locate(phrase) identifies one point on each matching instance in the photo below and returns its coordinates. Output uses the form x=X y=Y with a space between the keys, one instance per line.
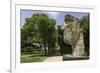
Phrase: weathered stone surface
x=79 y=49
x=72 y=35
x=71 y=30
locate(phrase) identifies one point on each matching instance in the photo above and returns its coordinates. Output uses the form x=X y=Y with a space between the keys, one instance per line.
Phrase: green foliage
x=85 y=23
x=64 y=48
x=52 y=33
x=85 y=26
x=52 y=36
x=39 y=29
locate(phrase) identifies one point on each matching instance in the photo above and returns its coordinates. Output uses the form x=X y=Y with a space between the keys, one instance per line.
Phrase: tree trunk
x=45 y=50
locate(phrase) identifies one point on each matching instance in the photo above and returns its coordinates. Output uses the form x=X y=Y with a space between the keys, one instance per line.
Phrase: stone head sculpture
x=71 y=29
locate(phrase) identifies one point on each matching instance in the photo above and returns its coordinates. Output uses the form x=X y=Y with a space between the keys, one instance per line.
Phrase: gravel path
x=53 y=59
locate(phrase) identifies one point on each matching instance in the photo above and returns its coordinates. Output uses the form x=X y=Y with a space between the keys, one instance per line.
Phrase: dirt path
x=53 y=59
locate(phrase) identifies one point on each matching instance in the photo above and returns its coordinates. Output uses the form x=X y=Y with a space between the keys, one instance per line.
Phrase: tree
x=48 y=33
x=43 y=29
x=39 y=28
x=28 y=32
x=60 y=39
x=52 y=36
x=85 y=26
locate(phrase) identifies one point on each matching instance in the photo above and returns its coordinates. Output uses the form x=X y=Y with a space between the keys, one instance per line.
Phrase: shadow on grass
x=37 y=55
x=27 y=58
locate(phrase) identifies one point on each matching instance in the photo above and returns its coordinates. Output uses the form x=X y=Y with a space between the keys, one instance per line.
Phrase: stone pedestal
x=71 y=57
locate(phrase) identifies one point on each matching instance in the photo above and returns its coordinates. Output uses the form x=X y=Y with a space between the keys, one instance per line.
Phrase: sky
x=58 y=16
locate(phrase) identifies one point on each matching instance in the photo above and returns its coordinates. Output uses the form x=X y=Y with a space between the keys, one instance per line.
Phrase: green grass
x=27 y=58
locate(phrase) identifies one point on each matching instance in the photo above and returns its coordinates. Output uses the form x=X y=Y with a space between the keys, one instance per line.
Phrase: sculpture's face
x=67 y=34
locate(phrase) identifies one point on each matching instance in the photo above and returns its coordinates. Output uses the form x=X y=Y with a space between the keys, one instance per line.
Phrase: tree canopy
x=85 y=26
x=40 y=29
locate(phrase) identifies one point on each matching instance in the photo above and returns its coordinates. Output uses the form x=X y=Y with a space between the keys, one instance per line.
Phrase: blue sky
x=58 y=16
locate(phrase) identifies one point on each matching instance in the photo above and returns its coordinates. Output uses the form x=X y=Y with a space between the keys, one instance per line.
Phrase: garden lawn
x=26 y=58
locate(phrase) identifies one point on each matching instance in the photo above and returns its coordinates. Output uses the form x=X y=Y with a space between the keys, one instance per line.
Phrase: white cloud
x=54 y=14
